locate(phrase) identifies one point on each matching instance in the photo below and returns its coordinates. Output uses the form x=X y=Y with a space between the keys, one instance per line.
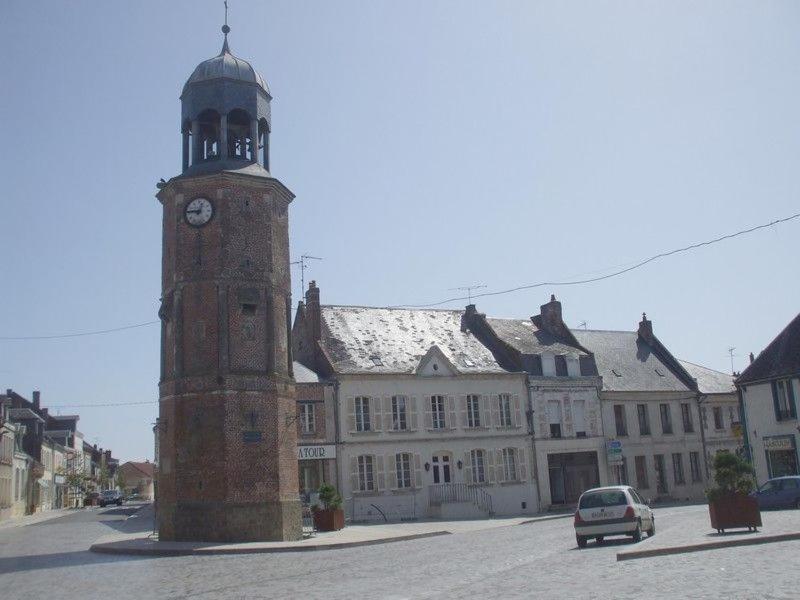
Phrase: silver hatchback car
x=614 y=510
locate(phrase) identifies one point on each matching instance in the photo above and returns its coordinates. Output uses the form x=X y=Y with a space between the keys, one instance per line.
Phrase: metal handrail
x=445 y=493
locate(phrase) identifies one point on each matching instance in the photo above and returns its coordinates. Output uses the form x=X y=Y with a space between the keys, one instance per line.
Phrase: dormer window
x=659 y=373
x=617 y=373
x=376 y=361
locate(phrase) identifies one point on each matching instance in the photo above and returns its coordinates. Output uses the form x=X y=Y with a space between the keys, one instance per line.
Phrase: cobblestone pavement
x=538 y=560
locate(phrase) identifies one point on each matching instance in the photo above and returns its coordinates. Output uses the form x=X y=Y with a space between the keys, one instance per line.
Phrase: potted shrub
x=331 y=516
x=729 y=502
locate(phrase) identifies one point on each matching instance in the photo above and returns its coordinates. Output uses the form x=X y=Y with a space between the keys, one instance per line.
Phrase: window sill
x=515 y=482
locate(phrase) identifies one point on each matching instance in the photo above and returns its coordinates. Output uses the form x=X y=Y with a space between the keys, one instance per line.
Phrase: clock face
x=199 y=212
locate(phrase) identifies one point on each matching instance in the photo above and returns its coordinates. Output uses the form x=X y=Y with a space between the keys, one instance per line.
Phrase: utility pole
x=303 y=262
x=468 y=289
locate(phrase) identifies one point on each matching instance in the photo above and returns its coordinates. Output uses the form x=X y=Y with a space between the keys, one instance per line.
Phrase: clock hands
x=197 y=212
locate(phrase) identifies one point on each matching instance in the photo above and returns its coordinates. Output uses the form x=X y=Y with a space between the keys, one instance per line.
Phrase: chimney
x=36 y=399
x=646 y=328
x=45 y=413
x=313 y=312
x=550 y=317
x=95 y=447
x=752 y=358
x=466 y=319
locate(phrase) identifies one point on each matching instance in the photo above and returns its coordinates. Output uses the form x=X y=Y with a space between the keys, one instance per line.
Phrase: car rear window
x=607 y=498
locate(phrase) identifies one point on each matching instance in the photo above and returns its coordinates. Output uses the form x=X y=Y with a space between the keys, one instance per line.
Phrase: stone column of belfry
x=228 y=463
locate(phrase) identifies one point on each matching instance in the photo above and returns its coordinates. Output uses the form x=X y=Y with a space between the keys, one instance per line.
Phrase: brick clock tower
x=227 y=432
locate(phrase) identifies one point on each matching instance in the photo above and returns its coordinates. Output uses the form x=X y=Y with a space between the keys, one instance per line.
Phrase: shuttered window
x=504 y=407
x=363 y=422
x=478 y=466
x=399 y=413
x=438 y=412
x=509 y=464
x=694 y=465
x=644 y=419
x=641 y=472
x=686 y=413
x=677 y=468
x=783 y=396
x=403 y=470
x=666 y=418
x=473 y=410
x=307 y=424
x=366 y=473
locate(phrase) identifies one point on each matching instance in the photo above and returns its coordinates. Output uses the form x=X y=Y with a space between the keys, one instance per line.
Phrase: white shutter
x=495 y=410
x=486 y=410
x=428 y=413
x=387 y=413
x=376 y=409
x=517 y=411
x=417 y=471
x=451 y=412
x=351 y=414
x=391 y=471
x=380 y=478
x=522 y=464
x=411 y=417
x=468 y=467
x=354 y=474
x=463 y=418
x=499 y=466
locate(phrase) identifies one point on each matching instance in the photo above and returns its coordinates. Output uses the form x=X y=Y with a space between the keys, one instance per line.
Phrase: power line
x=470 y=296
x=72 y=335
x=610 y=275
x=102 y=404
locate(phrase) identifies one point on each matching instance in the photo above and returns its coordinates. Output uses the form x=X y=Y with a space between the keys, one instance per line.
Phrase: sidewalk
x=36 y=518
x=692 y=532
x=350 y=536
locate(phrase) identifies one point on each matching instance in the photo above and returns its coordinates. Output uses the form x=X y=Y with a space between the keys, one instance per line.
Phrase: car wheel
x=581 y=541
x=797 y=504
x=652 y=531
x=637 y=534
x=599 y=539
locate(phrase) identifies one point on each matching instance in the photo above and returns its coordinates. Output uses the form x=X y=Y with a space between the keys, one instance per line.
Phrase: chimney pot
x=646 y=328
x=551 y=318
x=36 y=399
x=752 y=358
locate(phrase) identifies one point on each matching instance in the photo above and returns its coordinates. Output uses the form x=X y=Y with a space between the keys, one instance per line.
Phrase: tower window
x=208 y=142
x=240 y=143
x=248 y=309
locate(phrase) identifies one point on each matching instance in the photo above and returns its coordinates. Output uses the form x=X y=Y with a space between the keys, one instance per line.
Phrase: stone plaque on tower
x=228 y=457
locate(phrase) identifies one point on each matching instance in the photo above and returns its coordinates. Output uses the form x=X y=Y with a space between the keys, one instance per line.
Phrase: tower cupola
x=225 y=116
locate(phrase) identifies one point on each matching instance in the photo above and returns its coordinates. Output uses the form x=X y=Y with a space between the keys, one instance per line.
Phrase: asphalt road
x=540 y=560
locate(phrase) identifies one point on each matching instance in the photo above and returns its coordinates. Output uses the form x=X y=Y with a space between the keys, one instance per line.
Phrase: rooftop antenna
x=583 y=324
x=468 y=289
x=730 y=351
x=303 y=266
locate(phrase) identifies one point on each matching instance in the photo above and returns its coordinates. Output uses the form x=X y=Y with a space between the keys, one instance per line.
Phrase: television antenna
x=303 y=262
x=468 y=289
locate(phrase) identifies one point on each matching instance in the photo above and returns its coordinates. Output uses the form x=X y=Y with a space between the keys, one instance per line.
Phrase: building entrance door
x=441 y=467
x=571 y=474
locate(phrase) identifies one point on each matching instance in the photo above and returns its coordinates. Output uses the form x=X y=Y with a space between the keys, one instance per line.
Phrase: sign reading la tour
x=316 y=452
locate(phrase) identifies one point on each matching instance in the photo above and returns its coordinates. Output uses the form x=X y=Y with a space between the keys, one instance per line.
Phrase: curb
x=767 y=539
x=121 y=548
x=547 y=518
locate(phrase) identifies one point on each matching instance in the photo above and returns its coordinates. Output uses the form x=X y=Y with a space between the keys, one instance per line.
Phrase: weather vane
x=225 y=28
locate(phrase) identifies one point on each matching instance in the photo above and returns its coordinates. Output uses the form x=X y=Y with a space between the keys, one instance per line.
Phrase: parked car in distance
x=614 y=510
x=780 y=492
x=110 y=497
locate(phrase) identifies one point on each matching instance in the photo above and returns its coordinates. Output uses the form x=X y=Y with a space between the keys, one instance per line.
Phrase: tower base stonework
x=218 y=478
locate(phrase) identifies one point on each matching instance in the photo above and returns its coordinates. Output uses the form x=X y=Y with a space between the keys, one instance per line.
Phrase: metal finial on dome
x=225 y=30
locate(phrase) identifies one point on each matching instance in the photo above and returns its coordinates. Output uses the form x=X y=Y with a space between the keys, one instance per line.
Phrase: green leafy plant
x=732 y=475
x=329 y=497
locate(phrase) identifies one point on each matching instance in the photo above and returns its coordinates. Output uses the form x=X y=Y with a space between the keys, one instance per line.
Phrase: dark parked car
x=781 y=492
x=110 y=497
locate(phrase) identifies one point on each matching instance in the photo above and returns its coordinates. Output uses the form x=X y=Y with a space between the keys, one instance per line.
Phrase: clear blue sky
x=430 y=145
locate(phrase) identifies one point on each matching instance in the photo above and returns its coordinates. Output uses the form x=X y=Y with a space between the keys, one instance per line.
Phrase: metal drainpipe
x=336 y=429
x=534 y=460
x=700 y=399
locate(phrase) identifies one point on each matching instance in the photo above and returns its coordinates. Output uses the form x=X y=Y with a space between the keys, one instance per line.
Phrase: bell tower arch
x=227 y=463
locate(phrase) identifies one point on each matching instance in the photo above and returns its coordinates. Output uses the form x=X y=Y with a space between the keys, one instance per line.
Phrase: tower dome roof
x=226 y=66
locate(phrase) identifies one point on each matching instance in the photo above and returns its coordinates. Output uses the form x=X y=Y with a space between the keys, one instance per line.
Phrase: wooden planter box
x=328 y=520
x=734 y=511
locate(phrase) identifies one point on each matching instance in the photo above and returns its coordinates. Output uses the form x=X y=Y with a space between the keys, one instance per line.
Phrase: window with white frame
x=362 y=414
x=438 y=411
x=366 y=473
x=403 y=469
x=509 y=464
x=399 y=413
x=307 y=424
x=478 y=466
x=505 y=410
x=473 y=410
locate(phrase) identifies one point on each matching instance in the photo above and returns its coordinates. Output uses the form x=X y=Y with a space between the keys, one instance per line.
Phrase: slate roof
x=145 y=467
x=361 y=339
x=226 y=66
x=627 y=363
x=780 y=359
x=525 y=337
x=710 y=381
x=302 y=374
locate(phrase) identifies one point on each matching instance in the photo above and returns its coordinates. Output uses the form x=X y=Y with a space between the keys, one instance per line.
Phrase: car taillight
x=578 y=519
x=629 y=514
